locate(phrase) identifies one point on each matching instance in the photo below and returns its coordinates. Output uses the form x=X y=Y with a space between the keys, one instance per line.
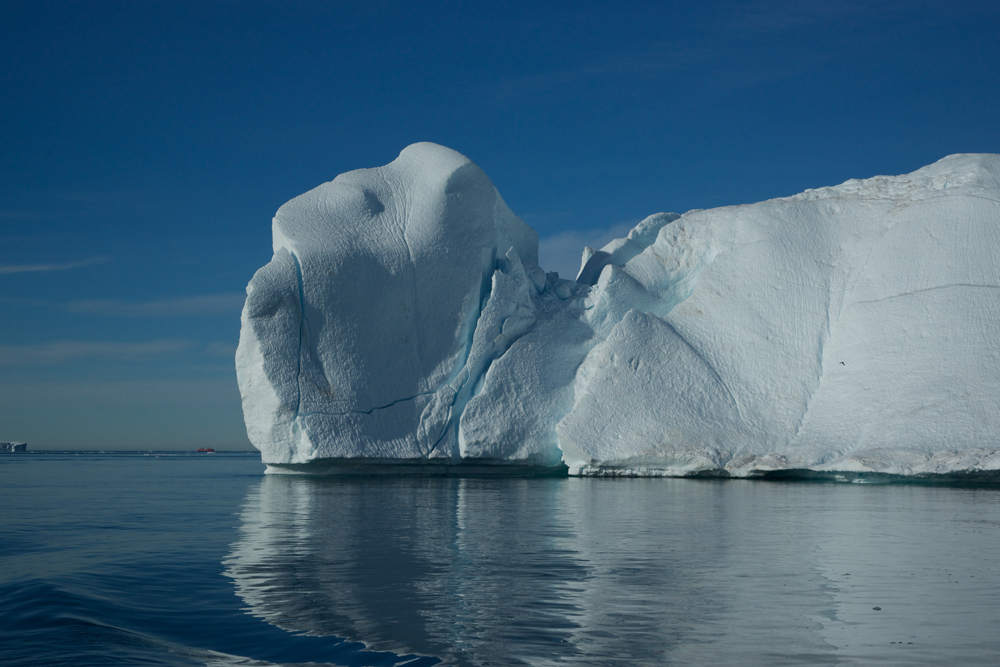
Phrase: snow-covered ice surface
x=404 y=324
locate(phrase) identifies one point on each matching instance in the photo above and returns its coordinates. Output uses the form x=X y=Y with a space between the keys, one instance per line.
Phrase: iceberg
x=404 y=324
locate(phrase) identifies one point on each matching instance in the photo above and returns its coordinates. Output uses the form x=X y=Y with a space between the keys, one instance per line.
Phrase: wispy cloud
x=221 y=350
x=715 y=57
x=101 y=199
x=65 y=266
x=562 y=252
x=225 y=303
x=776 y=16
x=59 y=352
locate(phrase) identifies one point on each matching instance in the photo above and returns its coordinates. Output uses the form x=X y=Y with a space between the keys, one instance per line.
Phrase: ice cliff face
x=361 y=334
x=404 y=320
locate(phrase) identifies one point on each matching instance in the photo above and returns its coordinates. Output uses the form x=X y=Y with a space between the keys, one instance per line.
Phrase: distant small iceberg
x=11 y=447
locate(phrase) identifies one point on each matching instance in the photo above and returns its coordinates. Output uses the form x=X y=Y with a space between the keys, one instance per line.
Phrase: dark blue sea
x=200 y=559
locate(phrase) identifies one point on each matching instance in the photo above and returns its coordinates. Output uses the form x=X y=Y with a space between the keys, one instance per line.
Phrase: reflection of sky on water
x=639 y=572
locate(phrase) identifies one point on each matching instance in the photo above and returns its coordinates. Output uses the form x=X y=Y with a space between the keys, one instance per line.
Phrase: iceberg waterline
x=404 y=324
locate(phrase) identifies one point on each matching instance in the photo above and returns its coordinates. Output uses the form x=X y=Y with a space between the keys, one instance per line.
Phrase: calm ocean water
x=184 y=559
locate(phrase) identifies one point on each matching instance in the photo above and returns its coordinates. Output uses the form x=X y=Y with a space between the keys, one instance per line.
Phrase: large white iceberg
x=404 y=323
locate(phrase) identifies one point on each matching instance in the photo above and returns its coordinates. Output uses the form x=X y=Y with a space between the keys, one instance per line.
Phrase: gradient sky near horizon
x=145 y=145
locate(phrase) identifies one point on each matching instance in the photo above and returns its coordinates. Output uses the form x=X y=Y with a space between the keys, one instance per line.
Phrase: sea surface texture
x=184 y=559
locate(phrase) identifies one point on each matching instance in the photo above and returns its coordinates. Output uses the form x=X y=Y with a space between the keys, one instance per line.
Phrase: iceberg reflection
x=590 y=571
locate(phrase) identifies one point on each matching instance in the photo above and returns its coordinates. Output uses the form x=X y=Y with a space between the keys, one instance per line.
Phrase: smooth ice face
x=404 y=319
x=847 y=328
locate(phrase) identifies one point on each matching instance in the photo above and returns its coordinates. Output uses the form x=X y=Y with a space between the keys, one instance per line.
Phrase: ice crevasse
x=403 y=324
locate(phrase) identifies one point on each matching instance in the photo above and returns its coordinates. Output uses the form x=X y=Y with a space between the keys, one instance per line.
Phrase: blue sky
x=145 y=145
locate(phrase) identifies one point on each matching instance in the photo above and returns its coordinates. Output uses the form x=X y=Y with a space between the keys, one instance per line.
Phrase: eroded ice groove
x=404 y=321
